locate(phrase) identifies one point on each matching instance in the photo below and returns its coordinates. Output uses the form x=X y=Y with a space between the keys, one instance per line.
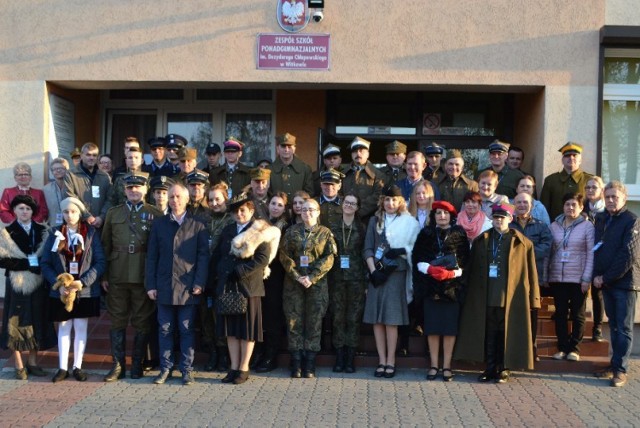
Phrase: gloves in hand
x=440 y=274
x=34 y=269
x=377 y=278
x=423 y=267
x=457 y=273
x=394 y=253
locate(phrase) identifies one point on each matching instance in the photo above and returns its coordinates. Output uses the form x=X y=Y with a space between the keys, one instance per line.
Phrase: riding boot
x=140 y=341
x=491 y=358
x=118 y=368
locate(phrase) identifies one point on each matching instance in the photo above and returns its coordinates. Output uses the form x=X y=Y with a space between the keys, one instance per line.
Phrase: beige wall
x=622 y=12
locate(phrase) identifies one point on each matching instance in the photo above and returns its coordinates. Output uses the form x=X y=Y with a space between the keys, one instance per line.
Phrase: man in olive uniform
x=394 y=169
x=330 y=201
x=363 y=179
x=124 y=238
x=259 y=192
x=434 y=154
x=453 y=185
x=288 y=173
x=331 y=158
x=233 y=172
x=571 y=179
x=198 y=202
x=188 y=160
x=133 y=164
x=213 y=153
x=508 y=178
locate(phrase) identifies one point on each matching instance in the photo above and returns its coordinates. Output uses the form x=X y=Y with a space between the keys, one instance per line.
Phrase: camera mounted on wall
x=318 y=7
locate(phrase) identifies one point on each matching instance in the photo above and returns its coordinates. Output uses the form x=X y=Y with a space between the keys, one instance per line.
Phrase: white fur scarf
x=244 y=245
x=23 y=282
x=402 y=233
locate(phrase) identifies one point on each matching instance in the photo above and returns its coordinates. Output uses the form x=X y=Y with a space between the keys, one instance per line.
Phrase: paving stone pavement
x=357 y=400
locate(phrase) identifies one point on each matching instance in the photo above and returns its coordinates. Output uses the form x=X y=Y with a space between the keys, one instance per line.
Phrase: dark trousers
x=272 y=313
x=170 y=318
x=130 y=301
x=598 y=306
x=621 y=311
x=494 y=339
x=569 y=299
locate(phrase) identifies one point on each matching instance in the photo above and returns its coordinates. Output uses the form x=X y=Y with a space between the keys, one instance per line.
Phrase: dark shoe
x=503 y=376
x=296 y=364
x=432 y=374
x=148 y=365
x=379 y=371
x=349 y=366
x=35 y=370
x=211 y=362
x=241 y=378
x=187 y=378
x=116 y=372
x=487 y=376
x=164 y=376
x=309 y=370
x=389 y=372
x=447 y=375
x=79 y=375
x=230 y=376
x=256 y=357
x=60 y=375
x=619 y=379
x=597 y=335
x=606 y=373
x=268 y=364
x=223 y=360
x=21 y=374
x=338 y=367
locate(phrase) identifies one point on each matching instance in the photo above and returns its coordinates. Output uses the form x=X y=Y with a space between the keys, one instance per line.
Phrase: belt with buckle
x=131 y=249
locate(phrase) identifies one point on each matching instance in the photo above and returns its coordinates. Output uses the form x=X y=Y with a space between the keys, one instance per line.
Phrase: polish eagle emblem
x=293 y=15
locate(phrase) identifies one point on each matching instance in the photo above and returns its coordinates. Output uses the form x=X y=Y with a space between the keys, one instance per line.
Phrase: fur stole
x=244 y=245
x=23 y=282
x=402 y=233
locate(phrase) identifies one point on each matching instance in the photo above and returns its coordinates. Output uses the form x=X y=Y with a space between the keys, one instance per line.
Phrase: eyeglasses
x=350 y=204
x=308 y=210
x=59 y=169
x=24 y=174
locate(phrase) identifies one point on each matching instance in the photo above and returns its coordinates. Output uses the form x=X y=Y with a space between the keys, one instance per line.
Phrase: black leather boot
x=349 y=366
x=269 y=360
x=338 y=367
x=309 y=370
x=491 y=356
x=139 y=349
x=223 y=359
x=118 y=368
x=296 y=364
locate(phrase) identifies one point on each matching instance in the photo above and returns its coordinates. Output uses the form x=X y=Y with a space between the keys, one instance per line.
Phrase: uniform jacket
x=390 y=177
x=618 y=258
x=367 y=185
x=177 y=259
x=92 y=265
x=559 y=184
x=244 y=257
x=522 y=295
x=426 y=249
x=330 y=211
x=124 y=239
x=579 y=243
x=167 y=169
x=453 y=191
x=291 y=178
x=352 y=248
x=320 y=249
x=540 y=235
x=92 y=191
x=241 y=177
x=6 y=213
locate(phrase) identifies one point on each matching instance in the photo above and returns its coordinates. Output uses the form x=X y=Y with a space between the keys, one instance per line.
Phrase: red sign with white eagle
x=293 y=15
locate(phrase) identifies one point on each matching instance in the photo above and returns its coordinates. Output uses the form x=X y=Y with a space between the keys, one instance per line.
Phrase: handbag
x=231 y=302
x=447 y=261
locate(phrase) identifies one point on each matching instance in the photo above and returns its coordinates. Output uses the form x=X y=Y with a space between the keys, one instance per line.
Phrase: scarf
x=473 y=227
x=63 y=246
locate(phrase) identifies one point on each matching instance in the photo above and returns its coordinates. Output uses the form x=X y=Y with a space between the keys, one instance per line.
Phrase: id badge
x=33 y=260
x=59 y=218
x=595 y=247
x=73 y=268
x=95 y=191
x=344 y=262
x=304 y=261
x=565 y=256
x=493 y=270
x=379 y=252
x=230 y=193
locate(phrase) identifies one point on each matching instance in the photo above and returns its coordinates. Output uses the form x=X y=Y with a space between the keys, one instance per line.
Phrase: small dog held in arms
x=66 y=280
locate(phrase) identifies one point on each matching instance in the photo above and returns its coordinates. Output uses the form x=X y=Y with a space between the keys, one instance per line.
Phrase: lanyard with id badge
x=344 y=259
x=304 y=259
x=493 y=266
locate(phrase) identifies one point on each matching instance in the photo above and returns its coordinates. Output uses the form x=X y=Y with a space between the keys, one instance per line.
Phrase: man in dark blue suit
x=176 y=273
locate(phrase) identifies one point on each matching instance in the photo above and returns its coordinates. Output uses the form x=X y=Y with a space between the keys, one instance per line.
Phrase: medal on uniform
x=304 y=261
x=73 y=268
x=344 y=262
x=33 y=260
x=493 y=270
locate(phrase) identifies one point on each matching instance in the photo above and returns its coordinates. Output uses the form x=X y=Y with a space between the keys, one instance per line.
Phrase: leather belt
x=131 y=249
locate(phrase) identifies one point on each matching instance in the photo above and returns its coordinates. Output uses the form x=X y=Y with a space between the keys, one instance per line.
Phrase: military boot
x=118 y=368
x=139 y=349
x=349 y=366
x=269 y=361
x=491 y=357
x=296 y=364
x=309 y=365
x=338 y=367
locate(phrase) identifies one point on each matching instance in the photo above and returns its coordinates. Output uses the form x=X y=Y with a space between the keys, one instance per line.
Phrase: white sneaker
x=573 y=356
x=559 y=355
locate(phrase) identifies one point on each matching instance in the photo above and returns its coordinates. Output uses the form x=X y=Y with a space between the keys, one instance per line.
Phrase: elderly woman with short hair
x=22 y=176
x=54 y=191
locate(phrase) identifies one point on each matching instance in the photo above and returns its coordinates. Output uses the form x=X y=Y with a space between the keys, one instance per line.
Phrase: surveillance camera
x=318 y=16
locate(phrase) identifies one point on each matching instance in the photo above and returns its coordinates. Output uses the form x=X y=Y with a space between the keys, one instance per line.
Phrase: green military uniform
x=508 y=180
x=330 y=211
x=347 y=278
x=366 y=183
x=303 y=307
x=559 y=184
x=237 y=178
x=391 y=175
x=433 y=174
x=453 y=191
x=291 y=178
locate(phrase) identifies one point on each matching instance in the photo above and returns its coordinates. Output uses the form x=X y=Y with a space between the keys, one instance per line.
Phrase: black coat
x=426 y=249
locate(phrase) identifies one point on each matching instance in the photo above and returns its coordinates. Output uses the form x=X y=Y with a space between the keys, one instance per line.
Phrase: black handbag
x=231 y=302
x=447 y=261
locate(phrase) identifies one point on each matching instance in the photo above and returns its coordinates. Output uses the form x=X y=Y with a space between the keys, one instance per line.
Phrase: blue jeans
x=182 y=317
x=620 y=306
